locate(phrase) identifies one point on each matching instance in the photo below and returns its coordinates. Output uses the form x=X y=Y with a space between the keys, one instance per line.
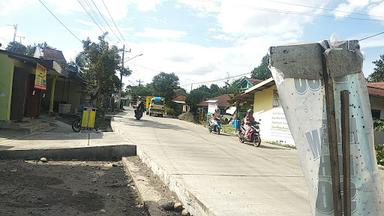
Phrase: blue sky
x=199 y=40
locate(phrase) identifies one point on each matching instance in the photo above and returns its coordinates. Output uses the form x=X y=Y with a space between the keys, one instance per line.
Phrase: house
x=24 y=85
x=69 y=87
x=222 y=102
x=246 y=83
x=181 y=104
x=207 y=107
x=273 y=124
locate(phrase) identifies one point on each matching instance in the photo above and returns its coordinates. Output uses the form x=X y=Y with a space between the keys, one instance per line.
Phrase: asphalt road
x=223 y=176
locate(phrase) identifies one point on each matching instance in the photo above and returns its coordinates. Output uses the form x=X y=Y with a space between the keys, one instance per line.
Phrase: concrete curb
x=94 y=153
x=190 y=202
x=148 y=196
x=187 y=198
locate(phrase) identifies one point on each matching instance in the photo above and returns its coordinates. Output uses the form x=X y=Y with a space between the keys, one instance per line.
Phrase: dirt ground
x=152 y=182
x=67 y=188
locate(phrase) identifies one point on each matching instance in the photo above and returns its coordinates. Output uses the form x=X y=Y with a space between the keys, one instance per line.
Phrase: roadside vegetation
x=379 y=126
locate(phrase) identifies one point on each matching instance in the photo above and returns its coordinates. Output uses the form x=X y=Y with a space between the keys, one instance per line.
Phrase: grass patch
x=228 y=129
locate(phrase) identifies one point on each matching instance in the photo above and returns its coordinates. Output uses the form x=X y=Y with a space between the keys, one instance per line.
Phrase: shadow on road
x=147 y=123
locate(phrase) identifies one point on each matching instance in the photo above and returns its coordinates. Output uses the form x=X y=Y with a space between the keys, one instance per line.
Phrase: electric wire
x=113 y=21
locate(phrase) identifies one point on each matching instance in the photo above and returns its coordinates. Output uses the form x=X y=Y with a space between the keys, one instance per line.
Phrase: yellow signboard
x=41 y=77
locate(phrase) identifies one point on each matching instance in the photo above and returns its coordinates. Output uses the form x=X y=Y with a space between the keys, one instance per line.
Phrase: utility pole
x=139 y=81
x=20 y=38
x=14 y=34
x=121 y=78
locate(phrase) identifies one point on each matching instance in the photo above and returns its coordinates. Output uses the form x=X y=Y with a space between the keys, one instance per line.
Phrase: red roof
x=180 y=98
x=222 y=101
x=54 y=54
x=376 y=89
x=255 y=81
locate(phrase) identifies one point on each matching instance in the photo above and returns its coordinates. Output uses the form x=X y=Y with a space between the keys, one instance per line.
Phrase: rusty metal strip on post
x=332 y=137
x=344 y=97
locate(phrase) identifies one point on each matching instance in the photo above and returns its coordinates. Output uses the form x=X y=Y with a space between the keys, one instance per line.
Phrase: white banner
x=303 y=101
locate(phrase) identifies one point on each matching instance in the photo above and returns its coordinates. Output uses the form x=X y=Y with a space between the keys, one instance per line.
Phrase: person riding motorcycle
x=215 y=117
x=140 y=105
x=249 y=120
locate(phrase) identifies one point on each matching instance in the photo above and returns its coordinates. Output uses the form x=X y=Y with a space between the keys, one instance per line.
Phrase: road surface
x=216 y=175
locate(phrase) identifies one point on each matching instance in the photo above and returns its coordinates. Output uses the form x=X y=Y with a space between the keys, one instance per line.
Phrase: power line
x=371 y=36
x=105 y=21
x=217 y=80
x=322 y=8
x=90 y=15
x=113 y=21
x=311 y=15
x=73 y=34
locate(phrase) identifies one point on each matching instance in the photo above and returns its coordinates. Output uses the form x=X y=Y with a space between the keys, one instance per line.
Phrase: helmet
x=249 y=111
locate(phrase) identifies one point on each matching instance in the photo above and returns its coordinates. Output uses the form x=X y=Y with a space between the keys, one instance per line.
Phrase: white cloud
x=7 y=7
x=350 y=6
x=196 y=63
x=147 y=5
x=375 y=42
x=161 y=34
x=251 y=27
x=6 y=35
x=204 y=6
x=376 y=10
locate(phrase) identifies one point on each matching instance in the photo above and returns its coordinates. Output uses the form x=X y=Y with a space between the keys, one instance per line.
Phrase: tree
x=378 y=71
x=16 y=47
x=101 y=62
x=140 y=90
x=196 y=96
x=164 y=85
x=214 y=90
x=262 y=72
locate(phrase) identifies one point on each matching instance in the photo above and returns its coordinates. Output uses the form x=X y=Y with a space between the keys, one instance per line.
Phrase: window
x=375 y=114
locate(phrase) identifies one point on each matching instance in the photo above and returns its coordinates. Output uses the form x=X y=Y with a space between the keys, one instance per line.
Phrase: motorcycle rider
x=140 y=105
x=249 y=120
x=215 y=116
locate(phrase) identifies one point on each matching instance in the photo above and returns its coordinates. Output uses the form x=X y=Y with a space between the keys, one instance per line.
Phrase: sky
x=198 y=40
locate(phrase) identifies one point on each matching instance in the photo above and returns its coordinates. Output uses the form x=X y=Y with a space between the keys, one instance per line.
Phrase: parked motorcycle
x=214 y=126
x=76 y=125
x=253 y=136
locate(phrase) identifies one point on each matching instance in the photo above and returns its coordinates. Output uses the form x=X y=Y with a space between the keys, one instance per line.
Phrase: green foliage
x=233 y=88
x=380 y=154
x=378 y=125
x=16 y=47
x=378 y=71
x=170 y=111
x=197 y=95
x=30 y=51
x=215 y=90
x=100 y=63
x=140 y=90
x=262 y=72
x=164 y=85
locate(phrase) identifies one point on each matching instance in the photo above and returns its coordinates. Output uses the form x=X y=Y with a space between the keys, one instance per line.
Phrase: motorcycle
x=138 y=114
x=253 y=135
x=215 y=126
x=139 y=110
x=76 y=125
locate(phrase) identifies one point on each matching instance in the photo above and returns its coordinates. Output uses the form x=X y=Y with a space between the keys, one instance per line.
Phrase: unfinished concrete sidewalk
x=216 y=175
